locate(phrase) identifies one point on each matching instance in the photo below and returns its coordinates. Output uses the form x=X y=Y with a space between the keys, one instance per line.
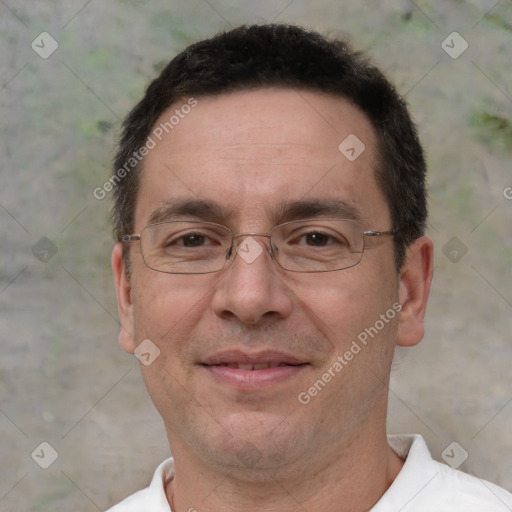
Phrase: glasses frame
x=369 y=233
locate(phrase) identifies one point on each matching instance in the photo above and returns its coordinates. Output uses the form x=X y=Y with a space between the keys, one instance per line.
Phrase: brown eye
x=193 y=240
x=317 y=239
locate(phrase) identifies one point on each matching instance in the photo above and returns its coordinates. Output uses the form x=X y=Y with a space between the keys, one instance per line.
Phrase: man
x=269 y=215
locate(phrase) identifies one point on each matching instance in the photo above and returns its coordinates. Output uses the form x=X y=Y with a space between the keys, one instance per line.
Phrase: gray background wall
x=63 y=378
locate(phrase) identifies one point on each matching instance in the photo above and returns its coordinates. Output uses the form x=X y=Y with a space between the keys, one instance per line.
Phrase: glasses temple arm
x=130 y=238
x=379 y=233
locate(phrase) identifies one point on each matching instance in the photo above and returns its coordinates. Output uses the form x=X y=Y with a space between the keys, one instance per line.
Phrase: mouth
x=252 y=372
x=252 y=367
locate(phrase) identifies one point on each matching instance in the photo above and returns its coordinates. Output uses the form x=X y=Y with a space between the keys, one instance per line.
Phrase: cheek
x=166 y=305
x=343 y=301
x=354 y=311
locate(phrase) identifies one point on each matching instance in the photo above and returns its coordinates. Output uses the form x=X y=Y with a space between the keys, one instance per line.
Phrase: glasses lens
x=318 y=246
x=185 y=247
x=192 y=247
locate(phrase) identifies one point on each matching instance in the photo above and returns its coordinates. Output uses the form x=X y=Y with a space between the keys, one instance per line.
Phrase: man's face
x=251 y=153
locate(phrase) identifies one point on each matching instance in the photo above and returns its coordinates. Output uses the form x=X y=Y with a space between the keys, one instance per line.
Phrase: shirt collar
x=417 y=472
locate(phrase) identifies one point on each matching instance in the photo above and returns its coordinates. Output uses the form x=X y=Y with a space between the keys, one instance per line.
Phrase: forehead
x=252 y=152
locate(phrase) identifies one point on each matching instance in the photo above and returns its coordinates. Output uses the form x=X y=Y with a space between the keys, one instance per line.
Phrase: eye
x=190 y=240
x=318 y=238
x=193 y=239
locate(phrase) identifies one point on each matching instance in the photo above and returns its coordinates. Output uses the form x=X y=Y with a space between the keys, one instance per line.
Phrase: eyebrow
x=203 y=209
x=212 y=211
x=314 y=207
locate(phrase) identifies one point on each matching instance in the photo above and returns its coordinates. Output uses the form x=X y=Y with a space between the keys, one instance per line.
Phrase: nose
x=252 y=286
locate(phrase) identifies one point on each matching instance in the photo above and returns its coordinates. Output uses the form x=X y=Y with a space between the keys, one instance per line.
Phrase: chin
x=254 y=450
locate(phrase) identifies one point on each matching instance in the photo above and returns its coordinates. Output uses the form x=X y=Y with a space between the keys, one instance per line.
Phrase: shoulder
x=424 y=484
x=152 y=497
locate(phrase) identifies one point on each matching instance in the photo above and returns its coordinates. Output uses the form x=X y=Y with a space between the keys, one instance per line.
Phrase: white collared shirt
x=423 y=485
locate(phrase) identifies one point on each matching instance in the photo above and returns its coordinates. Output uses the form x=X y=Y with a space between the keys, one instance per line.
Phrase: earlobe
x=415 y=280
x=124 y=300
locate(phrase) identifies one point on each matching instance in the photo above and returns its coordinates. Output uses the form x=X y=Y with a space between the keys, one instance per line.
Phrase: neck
x=352 y=478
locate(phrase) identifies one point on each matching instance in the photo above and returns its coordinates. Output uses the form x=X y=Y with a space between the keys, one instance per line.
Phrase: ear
x=415 y=280
x=124 y=300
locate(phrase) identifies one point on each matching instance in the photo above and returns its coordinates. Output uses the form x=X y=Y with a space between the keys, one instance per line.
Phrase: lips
x=249 y=366
x=255 y=361
x=253 y=371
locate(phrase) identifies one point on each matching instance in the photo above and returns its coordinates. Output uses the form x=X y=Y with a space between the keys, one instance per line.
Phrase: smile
x=252 y=372
x=251 y=367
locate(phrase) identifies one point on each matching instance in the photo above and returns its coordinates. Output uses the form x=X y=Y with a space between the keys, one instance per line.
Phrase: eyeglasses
x=195 y=247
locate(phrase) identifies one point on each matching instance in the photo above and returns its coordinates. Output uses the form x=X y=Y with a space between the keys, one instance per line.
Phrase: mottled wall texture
x=69 y=72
